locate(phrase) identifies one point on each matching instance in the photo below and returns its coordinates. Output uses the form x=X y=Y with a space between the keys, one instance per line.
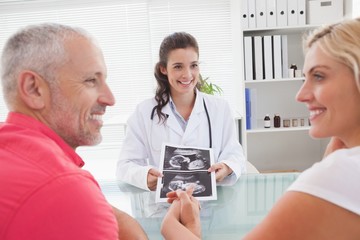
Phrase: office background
x=130 y=32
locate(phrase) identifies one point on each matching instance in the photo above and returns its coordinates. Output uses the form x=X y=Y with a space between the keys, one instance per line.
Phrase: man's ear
x=32 y=89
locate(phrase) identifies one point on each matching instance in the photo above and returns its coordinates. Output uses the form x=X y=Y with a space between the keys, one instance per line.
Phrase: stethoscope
x=207 y=116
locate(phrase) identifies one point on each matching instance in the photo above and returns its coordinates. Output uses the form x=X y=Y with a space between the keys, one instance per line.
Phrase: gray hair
x=39 y=48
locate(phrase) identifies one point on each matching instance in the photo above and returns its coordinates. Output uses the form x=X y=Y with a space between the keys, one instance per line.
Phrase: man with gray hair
x=54 y=84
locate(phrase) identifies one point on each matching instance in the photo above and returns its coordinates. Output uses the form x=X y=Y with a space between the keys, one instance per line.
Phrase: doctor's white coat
x=141 y=148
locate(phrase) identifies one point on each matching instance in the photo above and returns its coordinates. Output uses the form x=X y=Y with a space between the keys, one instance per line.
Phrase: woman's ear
x=32 y=89
x=163 y=70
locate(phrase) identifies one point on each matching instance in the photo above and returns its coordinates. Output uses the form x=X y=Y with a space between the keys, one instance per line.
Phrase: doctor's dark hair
x=171 y=42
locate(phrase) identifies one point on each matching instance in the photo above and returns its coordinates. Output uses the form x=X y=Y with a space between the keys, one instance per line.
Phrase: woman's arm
x=302 y=216
x=182 y=220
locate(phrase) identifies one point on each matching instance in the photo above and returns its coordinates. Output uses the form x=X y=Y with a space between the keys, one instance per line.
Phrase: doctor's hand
x=334 y=144
x=221 y=171
x=152 y=177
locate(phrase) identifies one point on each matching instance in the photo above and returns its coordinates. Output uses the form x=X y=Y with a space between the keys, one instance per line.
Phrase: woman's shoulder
x=214 y=100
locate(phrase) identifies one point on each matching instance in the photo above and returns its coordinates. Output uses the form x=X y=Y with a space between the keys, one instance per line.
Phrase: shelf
x=275 y=80
x=281 y=129
x=279 y=30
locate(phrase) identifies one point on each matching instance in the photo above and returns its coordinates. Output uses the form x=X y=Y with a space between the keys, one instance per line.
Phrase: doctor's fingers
x=155 y=172
x=215 y=167
x=220 y=175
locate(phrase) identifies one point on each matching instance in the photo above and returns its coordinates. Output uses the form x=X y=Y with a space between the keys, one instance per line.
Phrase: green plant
x=208 y=87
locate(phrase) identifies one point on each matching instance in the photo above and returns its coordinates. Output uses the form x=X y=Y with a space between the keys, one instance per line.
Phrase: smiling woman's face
x=182 y=70
x=331 y=95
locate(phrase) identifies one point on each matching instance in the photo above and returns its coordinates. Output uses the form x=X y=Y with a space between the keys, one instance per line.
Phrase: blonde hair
x=340 y=41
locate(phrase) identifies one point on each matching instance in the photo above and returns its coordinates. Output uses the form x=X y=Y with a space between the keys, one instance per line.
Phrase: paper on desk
x=183 y=166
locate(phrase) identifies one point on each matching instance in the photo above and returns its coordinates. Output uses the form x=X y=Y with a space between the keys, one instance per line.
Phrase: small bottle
x=292 y=70
x=277 y=121
x=267 y=121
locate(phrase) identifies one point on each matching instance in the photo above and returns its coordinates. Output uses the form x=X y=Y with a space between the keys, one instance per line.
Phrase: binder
x=301 y=7
x=281 y=12
x=248 y=108
x=258 y=57
x=292 y=12
x=278 y=74
x=244 y=14
x=268 y=57
x=260 y=13
x=253 y=103
x=248 y=58
x=284 y=56
x=271 y=13
x=252 y=13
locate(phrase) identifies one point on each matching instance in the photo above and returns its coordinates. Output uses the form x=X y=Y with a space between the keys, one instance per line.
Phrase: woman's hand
x=221 y=171
x=152 y=177
x=183 y=216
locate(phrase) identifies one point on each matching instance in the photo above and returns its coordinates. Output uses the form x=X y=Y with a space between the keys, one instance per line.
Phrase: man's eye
x=90 y=81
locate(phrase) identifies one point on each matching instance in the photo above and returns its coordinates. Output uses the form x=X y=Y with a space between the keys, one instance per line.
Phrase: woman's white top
x=335 y=179
x=141 y=148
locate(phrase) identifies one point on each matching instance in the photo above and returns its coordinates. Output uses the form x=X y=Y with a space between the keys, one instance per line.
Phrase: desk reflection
x=236 y=211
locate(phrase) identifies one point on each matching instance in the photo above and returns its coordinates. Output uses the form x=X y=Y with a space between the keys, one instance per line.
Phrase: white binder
x=301 y=7
x=292 y=12
x=244 y=14
x=268 y=57
x=277 y=57
x=258 y=57
x=271 y=13
x=252 y=13
x=284 y=56
x=248 y=58
x=260 y=13
x=281 y=12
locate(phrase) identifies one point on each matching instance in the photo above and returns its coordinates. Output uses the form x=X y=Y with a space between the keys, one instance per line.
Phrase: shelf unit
x=284 y=148
x=277 y=149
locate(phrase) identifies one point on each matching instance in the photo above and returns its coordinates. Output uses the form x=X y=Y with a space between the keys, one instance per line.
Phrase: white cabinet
x=285 y=148
x=278 y=149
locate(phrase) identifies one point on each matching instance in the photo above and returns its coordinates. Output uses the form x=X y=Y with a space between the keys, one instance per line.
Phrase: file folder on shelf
x=281 y=12
x=284 y=56
x=244 y=14
x=277 y=57
x=268 y=57
x=248 y=108
x=248 y=58
x=292 y=12
x=258 y=57
x=271 y=13
x=260 y=13
x=251 y=13
x=301 y=7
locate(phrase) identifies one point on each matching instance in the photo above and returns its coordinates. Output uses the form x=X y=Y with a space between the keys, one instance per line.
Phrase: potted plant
x=208 y=87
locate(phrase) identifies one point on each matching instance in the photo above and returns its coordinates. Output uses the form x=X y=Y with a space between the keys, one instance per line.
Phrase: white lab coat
x=144 y=137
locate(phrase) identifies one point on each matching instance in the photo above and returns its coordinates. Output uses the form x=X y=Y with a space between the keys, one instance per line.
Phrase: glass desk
x=236 y=211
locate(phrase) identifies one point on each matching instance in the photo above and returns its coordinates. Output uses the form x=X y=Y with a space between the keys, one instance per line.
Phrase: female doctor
x=179 y=114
